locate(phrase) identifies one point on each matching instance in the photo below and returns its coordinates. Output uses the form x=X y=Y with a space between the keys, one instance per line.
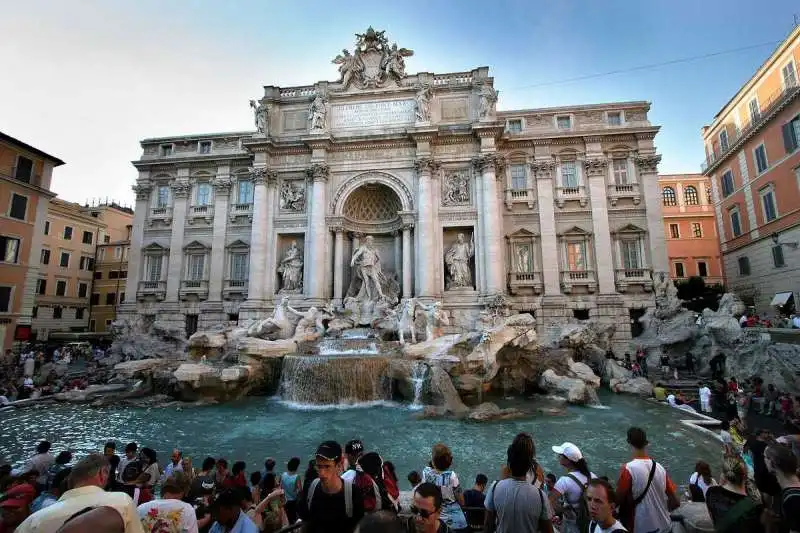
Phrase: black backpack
x=131 y=471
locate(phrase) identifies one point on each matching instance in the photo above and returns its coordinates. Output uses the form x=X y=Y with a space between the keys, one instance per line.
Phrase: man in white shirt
x=170 y=510
x=705 y=398
x=601 y=496
x=174 y=465
x=88 y=478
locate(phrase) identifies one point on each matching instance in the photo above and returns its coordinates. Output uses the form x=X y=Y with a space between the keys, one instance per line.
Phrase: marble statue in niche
x=488 y=101
x=523 y=258
x=423 y=104
x=293 y=197
x=291 y=269
x=457 y=258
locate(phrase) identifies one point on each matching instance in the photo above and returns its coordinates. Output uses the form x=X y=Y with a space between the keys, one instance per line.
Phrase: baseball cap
x=330 y=450
x=18 y=496
x=570 y=451
x=354 y=447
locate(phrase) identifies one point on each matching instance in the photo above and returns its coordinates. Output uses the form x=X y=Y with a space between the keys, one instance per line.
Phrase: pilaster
x=648 y=176
x=142 y=189
x=596 y=169
x=543 y=169
x=181 y=188
x=489 y=166
x=425 y=273
x=258 y=238
x=317 y=232
x=338 y=263
x=222 y=188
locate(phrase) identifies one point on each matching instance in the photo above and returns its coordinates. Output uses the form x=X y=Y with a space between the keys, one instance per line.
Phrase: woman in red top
x=236 y=477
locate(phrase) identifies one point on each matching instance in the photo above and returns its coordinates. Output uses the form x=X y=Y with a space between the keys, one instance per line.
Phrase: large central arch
x=372 y=178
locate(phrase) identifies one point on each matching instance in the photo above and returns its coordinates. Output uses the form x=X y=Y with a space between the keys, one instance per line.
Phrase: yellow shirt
x=49 y=519
x=660 y=393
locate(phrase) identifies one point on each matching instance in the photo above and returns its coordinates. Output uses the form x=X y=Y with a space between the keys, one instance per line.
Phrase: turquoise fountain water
x=256 y=428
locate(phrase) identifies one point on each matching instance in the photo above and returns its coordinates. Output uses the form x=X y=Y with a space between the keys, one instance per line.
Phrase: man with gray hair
x=86 y=482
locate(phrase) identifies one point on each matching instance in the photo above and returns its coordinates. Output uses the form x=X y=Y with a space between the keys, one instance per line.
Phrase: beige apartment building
x=110 y=277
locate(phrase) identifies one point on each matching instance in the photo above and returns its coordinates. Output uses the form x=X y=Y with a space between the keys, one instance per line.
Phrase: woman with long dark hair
x=700 y=481
x=570 y=490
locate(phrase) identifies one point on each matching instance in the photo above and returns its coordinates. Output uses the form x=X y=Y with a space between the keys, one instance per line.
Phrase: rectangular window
x=755 y=112
x=631 y=255
x=569 y=174
x=61 y=287
x=702 y=269
x=47 y=227
x=203 y=194
x=620 y=168
x=95 y=299
x=106 y=239
x=697 y=229
x=674 y=231
x=519 y=178
x=768 y=204
x=9 y=247
x=64 y=262
x=5 y=299
x=204 y=147
x=98 y=275
x=87 y=237
x=41 y=286
x=166 y=150
x=679 y=272
x=24 y=169
x=615 y=118
x=162 y=198
x=576 y=256
x=196 y=267
x=514 y=126
x=245 y=192
x=83 y=290
x=789 y=76
x=122 y=297
x=111 y=298
x=239 y=266
x=736 y=223
x=117 y=252
x=57 y=312
x=791 y=134
x=79 y=313
x=777 y=256
x=67 y=233
x=92 y=324
x=123 y=274
x=19 y=206
x=727 y=183
x=564 y=122
x=744 y=266
x=114 y=274
x=760 y=156
x=723 y=140
x=45 y=257
x=87 y=263
x=154 y=267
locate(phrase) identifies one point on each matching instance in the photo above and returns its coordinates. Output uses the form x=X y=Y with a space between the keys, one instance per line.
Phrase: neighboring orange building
x=753 y=161
x=690 y=229
x=25 y=176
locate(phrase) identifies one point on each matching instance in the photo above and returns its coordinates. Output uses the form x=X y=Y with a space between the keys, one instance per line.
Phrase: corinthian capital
x=647 y=163
x=180 y=188
x=494 y=162
x=595 y=166
x=318 y=172
x=142 y=190
x=262 y=175
x=543 y=168
x=426 y=165
x=222 y=184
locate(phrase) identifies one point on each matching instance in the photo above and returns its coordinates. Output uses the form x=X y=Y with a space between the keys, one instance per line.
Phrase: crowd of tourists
x=347 y=488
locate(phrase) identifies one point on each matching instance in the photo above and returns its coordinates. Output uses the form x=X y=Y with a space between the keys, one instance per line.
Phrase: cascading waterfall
x=418 y=374
x=319 y=380
x=348 y=346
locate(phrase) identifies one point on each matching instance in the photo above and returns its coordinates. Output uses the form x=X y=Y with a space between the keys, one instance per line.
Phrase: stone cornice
x=454 y=139
x=319 y=142
x=489 y=130
x=371 y=145
x=646 y=135
x=192 y=162
x=423 y=135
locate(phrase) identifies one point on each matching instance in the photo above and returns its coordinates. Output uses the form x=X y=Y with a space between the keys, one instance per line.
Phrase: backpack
x=131 y=471
x=348 y=496
x=366 y=487
x=696 y=492
x=390 y=483
x=581 y=510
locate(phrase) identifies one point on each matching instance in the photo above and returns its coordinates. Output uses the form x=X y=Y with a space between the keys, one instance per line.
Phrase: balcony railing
x=152 y=288
x=564 y=194
x=633 y=276
x=520 y=196
x=573 y=278
x=774 y=101
x=235 y=286
x=525 y=280
x=195 y=287
x=240 y=210
x=202 y=210
x=161 y=213
x=624 y=190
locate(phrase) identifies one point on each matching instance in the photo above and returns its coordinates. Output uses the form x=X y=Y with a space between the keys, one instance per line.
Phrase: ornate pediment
x=575 y=231
x=155 y=248
x=238 y=244
x=196 y=246
x=373 y=62
x=629 y=229
x=522 y=233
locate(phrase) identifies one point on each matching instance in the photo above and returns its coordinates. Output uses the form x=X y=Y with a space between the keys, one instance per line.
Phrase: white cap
x=570 y=451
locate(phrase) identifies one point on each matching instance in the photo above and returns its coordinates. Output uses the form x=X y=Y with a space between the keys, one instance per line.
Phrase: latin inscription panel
x=372 y=114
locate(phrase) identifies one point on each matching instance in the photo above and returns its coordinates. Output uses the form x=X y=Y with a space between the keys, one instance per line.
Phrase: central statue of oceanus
x=371 y=290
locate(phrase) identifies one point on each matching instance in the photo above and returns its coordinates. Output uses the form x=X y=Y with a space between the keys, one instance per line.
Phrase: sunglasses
x=421 y=512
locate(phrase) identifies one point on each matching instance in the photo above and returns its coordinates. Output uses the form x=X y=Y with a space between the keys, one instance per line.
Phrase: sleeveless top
x=289 y=486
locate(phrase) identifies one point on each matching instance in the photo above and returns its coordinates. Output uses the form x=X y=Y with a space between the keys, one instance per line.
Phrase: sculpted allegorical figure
x=423 y=104
x=367 y=265
x=457 y=261
x=350 y=66
x=317 y=114
x=523 y=259
x=393 y=62
x=434 y=317
x=291 y=269
x=260 y=116
x=488 y=101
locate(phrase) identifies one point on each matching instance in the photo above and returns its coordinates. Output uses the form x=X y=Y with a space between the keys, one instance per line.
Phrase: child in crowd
x=414 y=479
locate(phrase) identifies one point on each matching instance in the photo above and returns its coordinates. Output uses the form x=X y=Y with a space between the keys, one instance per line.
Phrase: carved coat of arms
x=373 y=62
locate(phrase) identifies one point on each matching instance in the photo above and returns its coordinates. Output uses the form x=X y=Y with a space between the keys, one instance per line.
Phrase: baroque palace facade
x=557 y=209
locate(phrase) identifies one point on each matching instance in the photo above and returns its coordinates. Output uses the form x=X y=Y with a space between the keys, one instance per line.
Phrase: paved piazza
x=401 y=185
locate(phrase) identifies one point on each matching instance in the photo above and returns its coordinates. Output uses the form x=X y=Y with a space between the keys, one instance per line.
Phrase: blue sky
x=87 y=80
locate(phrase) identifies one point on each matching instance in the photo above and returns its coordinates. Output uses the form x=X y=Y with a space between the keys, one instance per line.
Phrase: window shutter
x=789 y=139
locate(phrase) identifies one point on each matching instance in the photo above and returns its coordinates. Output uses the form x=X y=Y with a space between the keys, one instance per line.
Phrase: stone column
x=181 y=188
x=338 y=265
x=268 y=278
x=648 y=178
x=489 y=165
x=426 y=274
x=317 y=233
x=142 y=189
x=258 y=239
x=595 y=169
x=407 y=260
x=222 y=187
x=551 y=276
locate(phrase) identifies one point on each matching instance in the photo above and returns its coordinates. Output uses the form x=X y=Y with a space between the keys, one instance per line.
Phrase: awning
x=780 y=299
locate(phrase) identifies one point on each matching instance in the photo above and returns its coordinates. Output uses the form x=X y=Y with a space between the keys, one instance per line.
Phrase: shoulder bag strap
x=348 y=498
x=310 y=496
x=638 y=500
x=581 y=485
x=543 y=511
x=735 y=513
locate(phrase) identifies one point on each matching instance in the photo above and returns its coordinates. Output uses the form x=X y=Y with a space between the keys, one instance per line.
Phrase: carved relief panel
x=456 y=187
